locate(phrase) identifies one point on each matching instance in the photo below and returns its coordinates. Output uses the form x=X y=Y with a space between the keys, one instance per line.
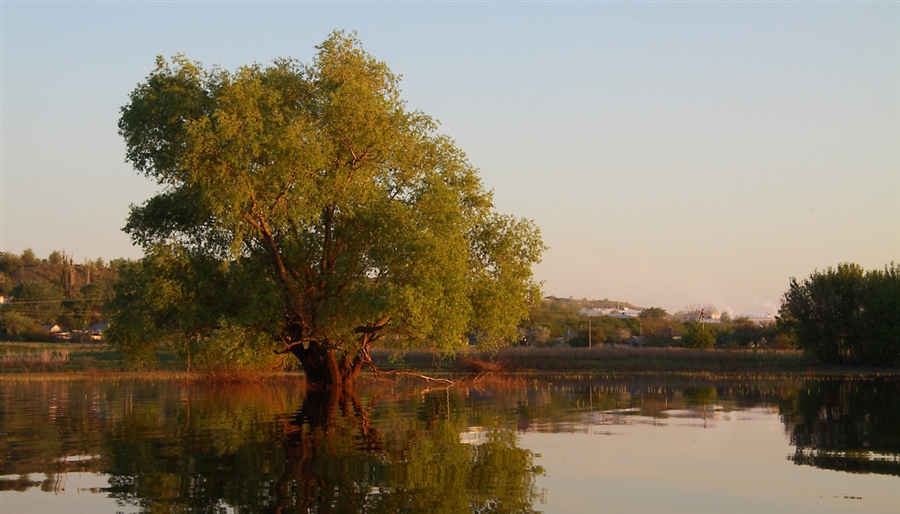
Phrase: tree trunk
x=322 y=368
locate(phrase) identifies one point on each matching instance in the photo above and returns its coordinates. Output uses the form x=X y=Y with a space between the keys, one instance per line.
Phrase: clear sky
x=672 y=153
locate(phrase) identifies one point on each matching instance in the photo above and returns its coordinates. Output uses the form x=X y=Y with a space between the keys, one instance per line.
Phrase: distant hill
x=42 y=299
x=46 y=272
x=598 y=304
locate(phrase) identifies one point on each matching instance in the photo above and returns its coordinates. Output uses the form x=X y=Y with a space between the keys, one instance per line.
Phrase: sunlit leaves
x=355 y=209
x=846 y=315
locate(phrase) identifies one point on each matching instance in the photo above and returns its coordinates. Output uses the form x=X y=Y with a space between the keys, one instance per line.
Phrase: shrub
x=699 y=336
x=17 y=327
x=232 y=352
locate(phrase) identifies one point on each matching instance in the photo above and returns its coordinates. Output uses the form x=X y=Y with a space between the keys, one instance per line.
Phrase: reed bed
x=647 y=359
x=600 y=358
x=72 y=361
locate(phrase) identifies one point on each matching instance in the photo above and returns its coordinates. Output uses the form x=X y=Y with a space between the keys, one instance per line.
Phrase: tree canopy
x=307 y=203
x=846 y=315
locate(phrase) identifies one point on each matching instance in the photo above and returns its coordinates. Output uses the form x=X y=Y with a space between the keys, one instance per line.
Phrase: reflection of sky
x=83 y=487
x=734 y=461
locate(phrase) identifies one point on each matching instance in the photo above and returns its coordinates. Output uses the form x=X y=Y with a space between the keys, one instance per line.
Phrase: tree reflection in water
x=846 y=425
x=327 y=457
x=338 y=462
x=165 y=447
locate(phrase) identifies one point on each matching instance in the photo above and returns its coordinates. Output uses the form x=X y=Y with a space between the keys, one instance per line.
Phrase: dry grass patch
x=478 y=365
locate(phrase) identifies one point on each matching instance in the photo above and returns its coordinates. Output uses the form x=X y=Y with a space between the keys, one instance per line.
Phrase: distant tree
x=67 y=276
x=40 y=301
x=845 y=315
x=699 y=335
x=653 y=321
x=19 y=327
x=537 y=335
x=10 y=263
x=743 y=332
x=87 y=308
x=118 y=263
x=28 y=257
x=653 y=312
x=56 y=257
x=315 y=190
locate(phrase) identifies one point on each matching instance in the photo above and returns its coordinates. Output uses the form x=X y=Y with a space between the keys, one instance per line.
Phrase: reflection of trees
x=338 y=462
x=700 y=396
x=195 y=450
x=847 y=425
x=48 y=428
x=169 y=448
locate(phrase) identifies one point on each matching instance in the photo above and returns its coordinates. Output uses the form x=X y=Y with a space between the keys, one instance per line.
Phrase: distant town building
x=637 y=341
x=765 y=319
x=594 y=312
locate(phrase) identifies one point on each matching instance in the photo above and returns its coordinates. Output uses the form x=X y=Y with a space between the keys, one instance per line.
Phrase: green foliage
x=653 y=323
x=28 y=257
x=653 y=312
x=41 y=301
x=10 y=263
x=742 y=332
x=536 y=335
x=348 y=214
x=19 y=327
x=562 y=319
x=699 y=335
x=846 y=315
x=55 y=291
x=87 y=309
x=231 y=350
x=56 y=257
x=176 y=298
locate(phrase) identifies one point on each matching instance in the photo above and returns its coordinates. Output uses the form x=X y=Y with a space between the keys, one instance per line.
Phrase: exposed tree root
x=381 y=374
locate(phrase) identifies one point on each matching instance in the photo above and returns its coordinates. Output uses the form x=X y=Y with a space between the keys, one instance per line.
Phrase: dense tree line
x=52 y=291
x=559 y=320
x=846 y=315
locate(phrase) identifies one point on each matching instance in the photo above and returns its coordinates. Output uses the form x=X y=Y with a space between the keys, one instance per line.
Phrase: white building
x=594 y=312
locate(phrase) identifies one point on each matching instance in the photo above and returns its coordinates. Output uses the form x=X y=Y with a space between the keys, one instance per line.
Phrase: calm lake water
x=553 y=444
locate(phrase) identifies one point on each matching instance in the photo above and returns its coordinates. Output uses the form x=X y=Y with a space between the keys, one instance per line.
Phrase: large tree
x=846 y=315
x=341 y=212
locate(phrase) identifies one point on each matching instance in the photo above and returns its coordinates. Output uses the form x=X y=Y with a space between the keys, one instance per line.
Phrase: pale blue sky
x=672 y=152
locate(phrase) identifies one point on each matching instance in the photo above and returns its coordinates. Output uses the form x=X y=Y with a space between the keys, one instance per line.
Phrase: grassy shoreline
x=62 y=360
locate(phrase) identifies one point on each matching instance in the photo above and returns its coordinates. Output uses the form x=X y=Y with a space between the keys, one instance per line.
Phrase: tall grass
x=648 y=359
x=599 y=358
x=101 y=361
